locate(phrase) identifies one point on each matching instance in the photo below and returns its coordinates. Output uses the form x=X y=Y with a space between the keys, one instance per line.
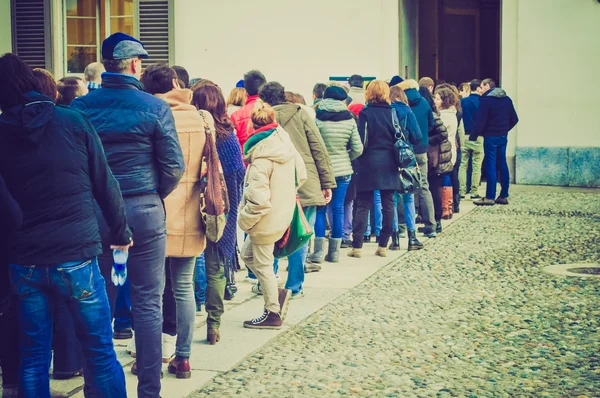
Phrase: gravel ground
x=472 y=315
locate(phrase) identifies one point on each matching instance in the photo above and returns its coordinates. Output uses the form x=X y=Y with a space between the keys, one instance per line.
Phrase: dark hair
x=273 y=93
x=158 y=78
x=447 y=96
x=253 y=82
x=474 y=84
x=425 y=93
x=489 y=81
x=183 y=75
x=210 y=98
x=16 y=79
x=319 y=90
x=46 y=82
x=356 y=81
x=68 y=90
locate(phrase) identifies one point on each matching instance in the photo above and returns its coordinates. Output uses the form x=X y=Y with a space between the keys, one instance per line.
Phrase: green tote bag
x=297 y=235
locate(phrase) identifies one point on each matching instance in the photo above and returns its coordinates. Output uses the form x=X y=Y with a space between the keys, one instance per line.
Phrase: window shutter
x=154 y=30
x=29 y=34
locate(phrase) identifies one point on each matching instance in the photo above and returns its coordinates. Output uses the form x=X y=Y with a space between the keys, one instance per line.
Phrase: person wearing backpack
x=275 y=170
x=185 y=231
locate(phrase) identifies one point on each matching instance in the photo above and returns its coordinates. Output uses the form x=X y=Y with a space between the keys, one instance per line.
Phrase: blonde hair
x=397 y=95
x=426 y=82
x=378 y=92
x=237 y=97
x=408 y=84
x=262 y=114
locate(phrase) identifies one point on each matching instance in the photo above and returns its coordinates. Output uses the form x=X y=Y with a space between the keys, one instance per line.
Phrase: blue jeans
x=200 y=280
x=495 y=152
x=123 y=308
x=408 y=203
x=81 y=285
x=296 y=261
x=337 y=207
x=68 y=358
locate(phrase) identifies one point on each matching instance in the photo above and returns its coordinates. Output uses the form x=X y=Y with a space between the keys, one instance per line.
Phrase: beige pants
x=259 y=258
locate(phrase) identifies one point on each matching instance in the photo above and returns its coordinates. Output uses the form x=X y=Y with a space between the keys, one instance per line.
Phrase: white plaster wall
x=550 y=58
x=297 y=43
x=5 y=27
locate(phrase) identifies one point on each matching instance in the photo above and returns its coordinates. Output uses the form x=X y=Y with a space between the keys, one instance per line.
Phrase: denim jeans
x=68 y=357
x=348 y=215
x=123 y=308
x=337 y=207
x=81 y=285
x=200 y=280
x=378 y=209
x=364 y=201
x=495 y=152
x=146 y=275
x=9 y=325
x=296 y=261
x=408 y=206
x=182 y=283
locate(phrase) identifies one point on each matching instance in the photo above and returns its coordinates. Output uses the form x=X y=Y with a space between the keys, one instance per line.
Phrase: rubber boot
x=395 y=245
x=333 y=254
x=319 y=254
x=413 y=242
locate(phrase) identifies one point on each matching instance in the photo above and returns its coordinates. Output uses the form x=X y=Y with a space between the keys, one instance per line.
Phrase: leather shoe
x=484 y=202
x=180 y=367
x=502 y=201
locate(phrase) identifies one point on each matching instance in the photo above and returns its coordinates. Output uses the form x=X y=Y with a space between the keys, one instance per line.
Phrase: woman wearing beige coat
x=185 y=233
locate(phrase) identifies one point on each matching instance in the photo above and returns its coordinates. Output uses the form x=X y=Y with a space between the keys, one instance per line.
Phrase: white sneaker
x=168 y=347
x=131 y=346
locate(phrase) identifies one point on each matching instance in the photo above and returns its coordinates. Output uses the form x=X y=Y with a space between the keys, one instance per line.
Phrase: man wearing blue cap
x=138 y=133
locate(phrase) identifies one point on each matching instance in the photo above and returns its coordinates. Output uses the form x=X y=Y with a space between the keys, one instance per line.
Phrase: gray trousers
x=423 y=195
x=146 y=274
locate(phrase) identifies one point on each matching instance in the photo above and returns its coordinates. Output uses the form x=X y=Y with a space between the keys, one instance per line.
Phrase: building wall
x=5 y=27
x=409 y=32
x=547 y=57
x=298 y=44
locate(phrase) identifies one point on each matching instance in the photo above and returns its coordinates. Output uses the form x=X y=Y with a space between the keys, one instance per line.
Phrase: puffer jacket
x=340 y=134
x=138 y=134
x=54 y=167
x=308 y=142
x=269 y=197
x=439 y=153
x=242 y=120
x=185 y=230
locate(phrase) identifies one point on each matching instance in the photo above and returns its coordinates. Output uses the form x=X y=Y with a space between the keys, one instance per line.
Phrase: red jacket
x=242 y=120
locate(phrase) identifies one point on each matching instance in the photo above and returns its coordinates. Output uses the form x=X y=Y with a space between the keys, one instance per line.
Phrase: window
x=88 y=22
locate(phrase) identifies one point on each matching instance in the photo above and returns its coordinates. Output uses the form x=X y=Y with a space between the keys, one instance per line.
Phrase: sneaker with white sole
x=268 y=320
x=298 y=295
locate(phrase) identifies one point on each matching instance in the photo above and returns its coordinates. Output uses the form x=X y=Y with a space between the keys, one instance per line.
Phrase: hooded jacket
x=408 y=120
x=496 y=115
x=424 y=116
x=242 y=120
x=269 y=197
x=185 y=230
x=138 y=133
x=308 y=142
x=54 y=166
x=340 y=134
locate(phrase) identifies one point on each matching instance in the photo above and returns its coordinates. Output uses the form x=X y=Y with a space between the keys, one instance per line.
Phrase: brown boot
x=284 y=302
x=180 y=367
x=268 y=320
x=356 y=253
x=381 y=251
x=213 y=336
x=484 y=202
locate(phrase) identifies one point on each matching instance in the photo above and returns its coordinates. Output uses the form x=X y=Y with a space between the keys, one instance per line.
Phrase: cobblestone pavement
x=472 y=315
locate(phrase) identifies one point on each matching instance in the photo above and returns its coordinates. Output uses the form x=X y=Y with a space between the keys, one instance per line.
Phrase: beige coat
x=185 y=233
x=269 y=196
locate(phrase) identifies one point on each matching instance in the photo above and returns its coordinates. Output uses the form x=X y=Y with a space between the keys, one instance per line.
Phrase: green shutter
x=29 y=33
x=155 y=33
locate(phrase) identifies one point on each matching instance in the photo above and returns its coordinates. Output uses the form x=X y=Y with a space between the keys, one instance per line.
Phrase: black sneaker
x=346 y=244
x=123 y=334
x=268 y=320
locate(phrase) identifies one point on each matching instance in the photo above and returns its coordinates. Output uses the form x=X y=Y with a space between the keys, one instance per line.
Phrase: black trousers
x=364 y=202
x=435 y=185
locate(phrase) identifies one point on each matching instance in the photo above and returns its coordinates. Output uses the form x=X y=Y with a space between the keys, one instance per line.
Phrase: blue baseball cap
x=122 y=46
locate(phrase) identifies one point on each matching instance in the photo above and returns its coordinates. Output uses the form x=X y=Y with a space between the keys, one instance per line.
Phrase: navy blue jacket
x=424 y=115
x=496 y=115
x=54 y=167
x=470 y=106
x=408 y=120
x=138 y=133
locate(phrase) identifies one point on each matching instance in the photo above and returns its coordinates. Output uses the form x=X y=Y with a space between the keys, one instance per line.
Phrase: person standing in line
x=340 y=134
x=242 y=118
x=237 y=99
x=424 y=115
x=409 y=125
x=182 y=75
x=494 y=119
x=54 y=155
x=318 y=92
x=428 y=83
x=70 y=88
x=275 y=170
x=220 y=257
x=92 y=75
x=317 y=190
x=357 y=89
x=140 y=139
x=376 y=168
x=185 y=230
x=471 y=150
